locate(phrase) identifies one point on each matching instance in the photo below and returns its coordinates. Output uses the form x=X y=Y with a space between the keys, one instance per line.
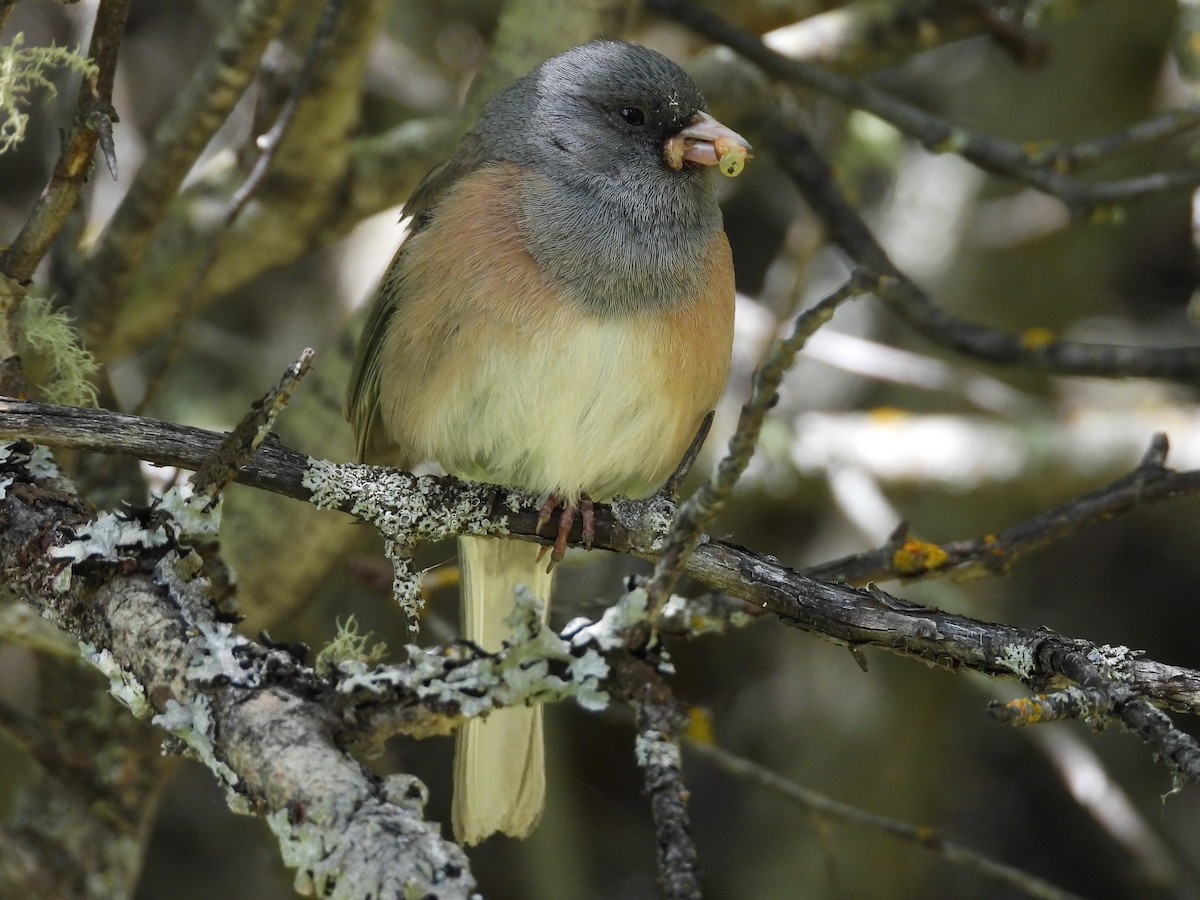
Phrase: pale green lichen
x=47 y=342
x=406 y=509
x=121 y=684
x=652 y=750
x=349 y=644
x=1018 y=659
x=520 y=673
x=104 y=537
x=193 y=724
x=24 y=70
x=195 y=515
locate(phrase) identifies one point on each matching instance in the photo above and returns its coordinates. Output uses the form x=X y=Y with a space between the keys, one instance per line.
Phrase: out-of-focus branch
x=993 y=154
x=812 y=175
x=225 y=73
x=94 y=116
x=919 y=835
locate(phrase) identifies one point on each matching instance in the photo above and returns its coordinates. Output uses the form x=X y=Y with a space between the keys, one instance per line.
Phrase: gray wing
x=362 y=393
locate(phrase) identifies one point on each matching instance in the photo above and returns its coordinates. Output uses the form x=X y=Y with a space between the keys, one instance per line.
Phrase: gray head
x=611 y=215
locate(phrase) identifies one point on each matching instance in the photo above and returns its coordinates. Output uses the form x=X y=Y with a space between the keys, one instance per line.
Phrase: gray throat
x=618 y=252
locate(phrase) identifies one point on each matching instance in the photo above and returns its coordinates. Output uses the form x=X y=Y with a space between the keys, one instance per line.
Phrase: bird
x=559 y=318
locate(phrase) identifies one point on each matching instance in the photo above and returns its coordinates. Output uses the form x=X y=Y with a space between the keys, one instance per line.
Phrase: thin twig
x=660 y=721
x=702 y=507
x=243 y=442
x=920 y=835
x=908 y=559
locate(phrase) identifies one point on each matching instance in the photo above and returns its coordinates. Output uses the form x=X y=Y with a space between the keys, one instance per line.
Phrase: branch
x=132 y=593
x=857 y=618
x=995 y=554
x=811 y=174
x=919 y=835
x=94 y=116
x=660 y=720
x=992 y=154
x=701 y=508
x=223 y=76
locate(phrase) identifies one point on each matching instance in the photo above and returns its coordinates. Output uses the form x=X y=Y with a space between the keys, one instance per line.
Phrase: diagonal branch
x=902 y=557
x=811 y=174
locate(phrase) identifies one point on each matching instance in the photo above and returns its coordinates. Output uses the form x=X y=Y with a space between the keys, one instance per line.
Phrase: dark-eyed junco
x=559 y=319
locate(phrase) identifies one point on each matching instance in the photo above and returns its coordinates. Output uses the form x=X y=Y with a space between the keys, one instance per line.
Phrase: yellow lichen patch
x=1036 y=338
x=887 y=413
x=914 y=557
x=700 y=725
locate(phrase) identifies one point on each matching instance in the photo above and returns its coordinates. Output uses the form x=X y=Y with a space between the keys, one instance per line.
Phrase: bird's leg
x=566 y=518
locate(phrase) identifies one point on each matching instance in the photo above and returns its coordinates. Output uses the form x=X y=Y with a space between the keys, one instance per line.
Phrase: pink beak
x=704 y=135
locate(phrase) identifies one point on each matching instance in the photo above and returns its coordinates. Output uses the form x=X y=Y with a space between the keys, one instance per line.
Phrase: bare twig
x=920 y=835
x=700 y=509
x=909 y=559
x=241 y=443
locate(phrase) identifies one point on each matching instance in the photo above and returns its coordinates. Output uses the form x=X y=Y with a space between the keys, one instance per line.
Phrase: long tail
x=499 y=769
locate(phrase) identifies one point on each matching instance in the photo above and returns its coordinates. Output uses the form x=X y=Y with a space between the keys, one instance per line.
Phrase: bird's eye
x=634 y=115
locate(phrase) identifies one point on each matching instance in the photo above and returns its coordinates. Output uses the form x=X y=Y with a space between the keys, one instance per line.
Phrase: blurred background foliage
x=864 y=437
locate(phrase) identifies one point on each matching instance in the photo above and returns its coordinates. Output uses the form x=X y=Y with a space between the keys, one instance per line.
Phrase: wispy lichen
x=47 y=338
x=24 y=69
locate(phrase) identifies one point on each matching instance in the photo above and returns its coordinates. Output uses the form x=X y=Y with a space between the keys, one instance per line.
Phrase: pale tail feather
x=499 y=770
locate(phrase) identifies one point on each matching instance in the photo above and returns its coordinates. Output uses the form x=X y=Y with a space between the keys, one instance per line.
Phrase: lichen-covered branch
x=905 y=557
x=129 y=588
x=427 y=507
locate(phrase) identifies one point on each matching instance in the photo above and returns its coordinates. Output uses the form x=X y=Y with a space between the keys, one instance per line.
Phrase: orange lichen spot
x=700 y=725
x=1028 y=710
x=914 y=557
x=1036 y=338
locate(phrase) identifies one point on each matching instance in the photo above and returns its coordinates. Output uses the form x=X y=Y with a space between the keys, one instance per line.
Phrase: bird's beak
x=707 y=142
